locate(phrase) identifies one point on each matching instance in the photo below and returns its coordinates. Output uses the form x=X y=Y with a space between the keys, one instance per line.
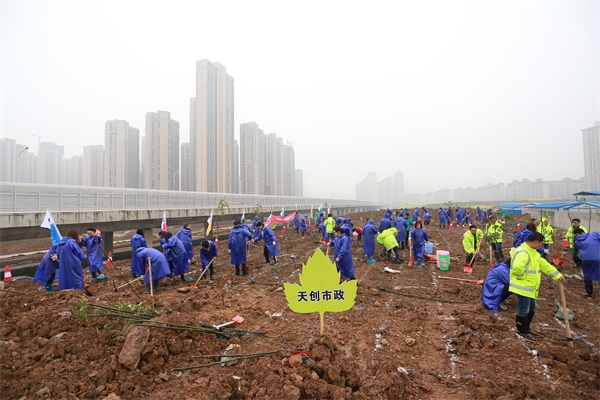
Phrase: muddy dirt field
x=63 y=345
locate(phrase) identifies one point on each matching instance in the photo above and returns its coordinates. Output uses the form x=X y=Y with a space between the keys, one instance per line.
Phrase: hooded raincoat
x=70 y=272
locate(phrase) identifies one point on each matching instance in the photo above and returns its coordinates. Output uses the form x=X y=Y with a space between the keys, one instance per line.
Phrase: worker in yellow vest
x=575 y=223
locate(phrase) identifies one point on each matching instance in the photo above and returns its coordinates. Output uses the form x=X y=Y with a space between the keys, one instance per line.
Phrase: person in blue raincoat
x=370 y=232
x=342 y=254
x=495 y=287
x=185 y=235
x=46 y=271
x=137 y=240
x=254 y=222
x=478 y=216
x=296 y=222
x=385 y=223
x=176 y=253
x=419 y=236
x=236 y=244
x=401 y=227
x=443 y=218
x=347 y=229
x=450 y=215
x=323 y=231
x=460 y=217
x=588 y=245
x=303 y=226
x=426 y=218
x=415 y=214
x=208 y=254
x=271 y=247
x=70 y=272
x=159 y=263
x=92 y=242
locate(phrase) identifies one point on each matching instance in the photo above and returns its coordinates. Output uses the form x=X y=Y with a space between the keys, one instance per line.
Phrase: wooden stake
x=322 y=315
x=151 y=281
x=565 y=313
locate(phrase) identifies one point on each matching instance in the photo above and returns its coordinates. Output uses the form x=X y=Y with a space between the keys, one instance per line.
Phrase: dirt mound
x=63 y=345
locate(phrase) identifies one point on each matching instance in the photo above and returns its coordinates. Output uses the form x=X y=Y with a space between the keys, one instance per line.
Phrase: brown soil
x=387 y=346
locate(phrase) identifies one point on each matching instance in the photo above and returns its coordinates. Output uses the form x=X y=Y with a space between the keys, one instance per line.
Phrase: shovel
x=202 y=274
x=151 y=281
x=237 y=319
x=477 y=281
x=564 y=305
x=467 y=268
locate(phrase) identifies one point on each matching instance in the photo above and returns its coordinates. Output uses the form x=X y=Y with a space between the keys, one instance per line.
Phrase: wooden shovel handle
x=565 y=313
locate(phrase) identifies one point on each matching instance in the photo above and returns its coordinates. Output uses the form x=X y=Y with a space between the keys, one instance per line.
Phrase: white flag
x=49 y=223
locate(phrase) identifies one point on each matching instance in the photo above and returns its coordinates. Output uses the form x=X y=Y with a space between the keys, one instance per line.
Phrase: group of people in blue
x=397 y=230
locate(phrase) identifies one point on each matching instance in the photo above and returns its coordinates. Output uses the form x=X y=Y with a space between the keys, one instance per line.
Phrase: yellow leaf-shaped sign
x=320 y=289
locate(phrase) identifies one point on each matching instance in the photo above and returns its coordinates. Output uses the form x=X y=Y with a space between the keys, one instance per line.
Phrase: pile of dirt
x=64 y=345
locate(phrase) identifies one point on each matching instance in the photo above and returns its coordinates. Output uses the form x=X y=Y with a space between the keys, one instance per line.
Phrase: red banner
x=274 y=219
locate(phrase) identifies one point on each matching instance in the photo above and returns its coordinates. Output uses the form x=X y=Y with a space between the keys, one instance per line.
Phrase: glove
x=546 y=251
x=54 y=257
x=274 y=243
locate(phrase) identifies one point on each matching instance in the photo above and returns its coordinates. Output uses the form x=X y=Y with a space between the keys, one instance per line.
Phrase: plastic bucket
x=428 y=248
x=565 y=243
x=443 y=259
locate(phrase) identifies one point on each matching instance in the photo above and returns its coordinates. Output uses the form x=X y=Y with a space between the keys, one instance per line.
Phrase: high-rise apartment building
x=50 y=161
x=272 y=149
x=591 y=156
x=161 y=152
x=212 y=131
x=13 y=161
x=289 y=170
x=93 y=165
x=121 y=155
x=250 y=160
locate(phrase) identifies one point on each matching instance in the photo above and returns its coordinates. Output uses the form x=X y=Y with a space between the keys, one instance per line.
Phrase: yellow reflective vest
x=571 y=236
x=388 y=238
x=329 y=224
x=469 y=241
x=547 y=230
x=525 y=271
x=494 y=232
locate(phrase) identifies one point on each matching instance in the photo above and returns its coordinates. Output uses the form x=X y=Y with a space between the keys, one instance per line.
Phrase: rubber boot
x=212 y=277
x=244 y=271
x=49 y=287
x=276 y=261
x=237 y=270
x=522 y=328
x=529 y=318
x=589 y=288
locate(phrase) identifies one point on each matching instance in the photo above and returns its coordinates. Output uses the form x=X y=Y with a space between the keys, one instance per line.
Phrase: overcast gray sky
x=452 y=93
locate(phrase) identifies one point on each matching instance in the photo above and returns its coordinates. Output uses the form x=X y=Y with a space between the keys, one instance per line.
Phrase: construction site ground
x=64 y=345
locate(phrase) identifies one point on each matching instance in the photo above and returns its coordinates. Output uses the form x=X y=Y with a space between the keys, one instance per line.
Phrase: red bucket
x=565 y=243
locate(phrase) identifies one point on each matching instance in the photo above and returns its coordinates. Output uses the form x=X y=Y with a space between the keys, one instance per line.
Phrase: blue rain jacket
x=588 y=245
x=370 y=232
x=460 y=216
x=237 y=244
x=160 y=265
x=70 y=271
x=269 y=237
x=494 y=283
x=207 y=255
x=185 y=235
x=342 y=251
x=443 y=217
x=254 y=221
x=94 y=252
x=137 y=240
x=419 y=237
x=401 y=226
x=47 y=268
x=385 y=223
x=175 y=252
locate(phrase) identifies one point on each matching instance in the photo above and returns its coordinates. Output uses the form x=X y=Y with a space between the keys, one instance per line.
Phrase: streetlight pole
x=17 y=163
x=178 y=186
